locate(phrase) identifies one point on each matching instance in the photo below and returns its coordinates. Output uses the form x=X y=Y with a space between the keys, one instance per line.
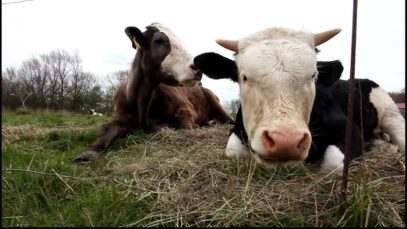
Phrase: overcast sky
x=95 y=29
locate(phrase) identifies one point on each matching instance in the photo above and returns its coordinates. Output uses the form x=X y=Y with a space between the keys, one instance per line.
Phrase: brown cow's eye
x=159 y=41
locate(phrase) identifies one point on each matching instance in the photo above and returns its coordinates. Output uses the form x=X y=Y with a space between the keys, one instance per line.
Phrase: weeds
x=180 y=179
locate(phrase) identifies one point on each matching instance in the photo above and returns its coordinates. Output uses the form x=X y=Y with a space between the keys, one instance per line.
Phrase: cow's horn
x=228 y=44
x=321 y=38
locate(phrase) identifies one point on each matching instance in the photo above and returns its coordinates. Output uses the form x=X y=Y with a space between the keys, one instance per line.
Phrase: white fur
x=389 y=117
x=279 y=90
x=333 y=159
x=94 y=113
x=235 y=148
x=177 y=62
x=275 y=33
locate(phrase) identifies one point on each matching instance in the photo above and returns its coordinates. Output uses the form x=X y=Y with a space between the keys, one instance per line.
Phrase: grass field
x=180 y=178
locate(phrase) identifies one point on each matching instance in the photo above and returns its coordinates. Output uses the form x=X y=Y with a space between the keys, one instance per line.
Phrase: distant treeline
x=399 y=97
x=57 y=81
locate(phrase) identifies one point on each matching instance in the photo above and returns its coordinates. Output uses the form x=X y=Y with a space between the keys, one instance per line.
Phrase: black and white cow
x=294 y=108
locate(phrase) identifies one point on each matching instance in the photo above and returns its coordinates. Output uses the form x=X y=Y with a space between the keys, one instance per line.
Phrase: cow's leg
x=334 y=153
x=332 y=159
x=109 y=132
x=216 y=110
x=390 y=119
x=220 y=114
x=183 y=118
x=236 y=148
x=155 y=125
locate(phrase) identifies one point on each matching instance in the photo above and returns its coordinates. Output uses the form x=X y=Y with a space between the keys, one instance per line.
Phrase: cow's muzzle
x=285 y=144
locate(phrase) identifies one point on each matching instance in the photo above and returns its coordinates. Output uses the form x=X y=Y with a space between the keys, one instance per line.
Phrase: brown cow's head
x=161 y=49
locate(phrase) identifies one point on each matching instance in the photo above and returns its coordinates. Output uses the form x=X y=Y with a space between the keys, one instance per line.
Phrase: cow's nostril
x=193 y=67
x=268 y=139
x=302 y=145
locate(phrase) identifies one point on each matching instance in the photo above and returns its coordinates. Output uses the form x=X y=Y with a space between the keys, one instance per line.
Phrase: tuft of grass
x=180 y=178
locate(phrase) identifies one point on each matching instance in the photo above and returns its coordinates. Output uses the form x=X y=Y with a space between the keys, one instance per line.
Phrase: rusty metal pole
x=351 y=87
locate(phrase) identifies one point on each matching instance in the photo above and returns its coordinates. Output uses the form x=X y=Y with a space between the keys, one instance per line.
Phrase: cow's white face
x=277 y=71
x=178 y=62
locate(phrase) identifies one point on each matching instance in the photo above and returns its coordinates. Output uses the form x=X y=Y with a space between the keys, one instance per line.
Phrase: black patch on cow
x=238 y=128
x=328 y=126
x=363 y=88
x=328 y=116
x=216 y=66
x=329 y=72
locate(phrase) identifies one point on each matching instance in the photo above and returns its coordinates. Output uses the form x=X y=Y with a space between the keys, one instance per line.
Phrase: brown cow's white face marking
x=277 y=69
x=178 y=62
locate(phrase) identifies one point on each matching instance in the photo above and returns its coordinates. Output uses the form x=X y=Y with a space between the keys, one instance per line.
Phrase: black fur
x=328 y=116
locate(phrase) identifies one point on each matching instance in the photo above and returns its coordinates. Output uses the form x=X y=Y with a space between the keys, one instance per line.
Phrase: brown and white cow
x=94 y=113
x=287 y=114
x=160 y=58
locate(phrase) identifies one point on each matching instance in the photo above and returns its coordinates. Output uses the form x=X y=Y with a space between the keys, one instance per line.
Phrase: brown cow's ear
x=136 y=37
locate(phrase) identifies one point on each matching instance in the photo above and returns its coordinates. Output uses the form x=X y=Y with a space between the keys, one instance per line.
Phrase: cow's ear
x=136 y=37
x=216 y=66
x=329 y=72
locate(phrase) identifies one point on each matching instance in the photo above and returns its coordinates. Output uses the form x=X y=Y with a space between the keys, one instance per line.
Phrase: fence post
x=351 y=87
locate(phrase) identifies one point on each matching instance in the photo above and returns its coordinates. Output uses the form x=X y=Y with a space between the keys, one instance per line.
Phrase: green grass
x=43 y=187
x=177 y=178
x=50 y=119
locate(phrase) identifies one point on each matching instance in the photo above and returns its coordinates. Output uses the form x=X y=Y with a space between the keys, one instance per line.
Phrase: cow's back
x=363 y=88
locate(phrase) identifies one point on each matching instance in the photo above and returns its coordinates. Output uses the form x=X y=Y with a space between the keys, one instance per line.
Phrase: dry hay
x=13 y=132
x=9 y=133
x=188 y=181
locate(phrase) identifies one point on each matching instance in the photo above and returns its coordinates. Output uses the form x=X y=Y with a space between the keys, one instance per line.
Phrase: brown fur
x=185 y=108
x=177 y=107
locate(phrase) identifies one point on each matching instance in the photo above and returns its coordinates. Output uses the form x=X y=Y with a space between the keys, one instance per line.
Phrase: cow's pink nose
x=285 y=144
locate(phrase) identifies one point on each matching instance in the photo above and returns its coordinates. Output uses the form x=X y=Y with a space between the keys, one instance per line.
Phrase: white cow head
x=276 y=69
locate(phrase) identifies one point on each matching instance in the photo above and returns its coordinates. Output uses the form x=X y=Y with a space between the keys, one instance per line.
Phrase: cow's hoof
x=85 y=156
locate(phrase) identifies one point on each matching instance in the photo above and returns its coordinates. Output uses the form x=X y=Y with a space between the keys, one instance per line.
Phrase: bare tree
x=232 y=106
x=23 y=99
x=399 y=97
x=52 y=80
x=116 y=78
x=75 y=87
x=33 y=80
x=61 y=61
x=56 y=80
x=8 y=86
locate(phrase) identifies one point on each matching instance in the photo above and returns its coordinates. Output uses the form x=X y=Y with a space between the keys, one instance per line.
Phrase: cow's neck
x=140 y=86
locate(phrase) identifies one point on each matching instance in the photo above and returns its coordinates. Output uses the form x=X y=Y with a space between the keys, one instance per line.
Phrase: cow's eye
x=244 y=78
x=159 y=41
